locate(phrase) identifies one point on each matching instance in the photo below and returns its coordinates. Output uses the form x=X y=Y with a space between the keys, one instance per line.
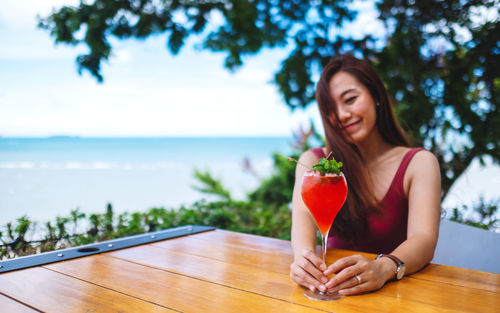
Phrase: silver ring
x=358 y=278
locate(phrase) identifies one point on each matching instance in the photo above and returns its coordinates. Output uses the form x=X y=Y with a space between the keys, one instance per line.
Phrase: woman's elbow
x=430 y=242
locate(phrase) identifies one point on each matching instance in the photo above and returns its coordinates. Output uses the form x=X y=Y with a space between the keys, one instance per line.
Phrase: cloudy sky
x=147 y=91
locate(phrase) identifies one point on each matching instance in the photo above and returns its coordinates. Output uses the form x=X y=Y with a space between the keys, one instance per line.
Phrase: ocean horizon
x=50 y=176
x=46 y=177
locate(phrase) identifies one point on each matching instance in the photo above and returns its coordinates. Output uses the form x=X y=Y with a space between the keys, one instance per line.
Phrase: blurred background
x=133 y=105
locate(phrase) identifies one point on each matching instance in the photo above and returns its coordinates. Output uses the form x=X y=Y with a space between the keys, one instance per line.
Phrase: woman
x=393 y=203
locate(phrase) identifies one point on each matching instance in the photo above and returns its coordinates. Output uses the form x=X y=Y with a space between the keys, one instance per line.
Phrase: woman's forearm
x=425 y=244
x=303 y=232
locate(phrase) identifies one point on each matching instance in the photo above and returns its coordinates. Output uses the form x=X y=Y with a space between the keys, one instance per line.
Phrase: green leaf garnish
x=328 y=167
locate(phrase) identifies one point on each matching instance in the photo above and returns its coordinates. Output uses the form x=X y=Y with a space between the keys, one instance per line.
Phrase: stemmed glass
x=323 y=195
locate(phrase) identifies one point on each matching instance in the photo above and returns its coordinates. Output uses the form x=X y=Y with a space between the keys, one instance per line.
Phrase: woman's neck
x=373 y=147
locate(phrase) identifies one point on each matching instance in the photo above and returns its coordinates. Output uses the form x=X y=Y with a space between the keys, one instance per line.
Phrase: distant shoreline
x=149 y=137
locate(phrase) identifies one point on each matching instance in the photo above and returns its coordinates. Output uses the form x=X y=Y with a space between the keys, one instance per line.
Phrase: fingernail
x=324 y=280
x=322 y=288
x=342 y=292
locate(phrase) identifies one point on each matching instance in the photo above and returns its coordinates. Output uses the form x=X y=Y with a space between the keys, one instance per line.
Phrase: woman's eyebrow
x=347 y=91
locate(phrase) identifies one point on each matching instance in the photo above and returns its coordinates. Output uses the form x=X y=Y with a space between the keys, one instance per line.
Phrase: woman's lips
x=351 y=125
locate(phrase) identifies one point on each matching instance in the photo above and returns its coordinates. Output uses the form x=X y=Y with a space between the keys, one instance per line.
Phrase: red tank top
x=387 y=230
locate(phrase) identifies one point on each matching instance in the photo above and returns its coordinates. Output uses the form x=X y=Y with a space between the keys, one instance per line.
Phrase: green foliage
x=483 y=215
x=246 y=27
x=276 y=190
x=325 y=166
x=211 y=185
x=441 y=62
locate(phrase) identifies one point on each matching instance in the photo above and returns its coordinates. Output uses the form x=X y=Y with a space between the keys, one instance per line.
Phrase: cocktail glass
x=323 y=195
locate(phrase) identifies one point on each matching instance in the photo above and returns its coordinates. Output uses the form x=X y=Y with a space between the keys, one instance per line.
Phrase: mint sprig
x=325 y=166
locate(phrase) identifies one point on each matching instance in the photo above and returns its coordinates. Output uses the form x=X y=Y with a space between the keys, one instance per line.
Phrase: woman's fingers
x=346 y=268
x=303 y=278
x=355 y=289
x=342 y=263
x=350 y=284
x=312 y=264
x=314 y=259
x=309 y=263
x=307 y=270
x=355 y=274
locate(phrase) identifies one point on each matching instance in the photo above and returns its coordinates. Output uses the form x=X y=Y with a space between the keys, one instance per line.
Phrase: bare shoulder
x=307 y=161
x=424 y=164
x=425 y=157
x=309 y=157
x=423 y=171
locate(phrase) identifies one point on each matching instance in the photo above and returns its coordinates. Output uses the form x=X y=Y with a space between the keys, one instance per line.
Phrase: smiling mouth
x=351 y=125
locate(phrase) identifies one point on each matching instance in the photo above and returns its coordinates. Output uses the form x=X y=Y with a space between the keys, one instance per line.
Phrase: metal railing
x=99 y=247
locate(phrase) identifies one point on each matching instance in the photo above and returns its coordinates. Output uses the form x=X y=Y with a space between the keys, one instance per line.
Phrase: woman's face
x=354 y=105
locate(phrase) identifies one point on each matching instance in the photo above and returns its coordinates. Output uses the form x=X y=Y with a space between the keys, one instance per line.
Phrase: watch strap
x=396 y=260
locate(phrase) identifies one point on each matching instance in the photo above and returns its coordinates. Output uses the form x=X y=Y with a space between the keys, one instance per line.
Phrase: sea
x=43 y=178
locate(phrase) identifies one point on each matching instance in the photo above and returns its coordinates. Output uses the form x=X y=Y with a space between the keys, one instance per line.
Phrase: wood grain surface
x=49 y=291
x=222 y=271
x=9 y=305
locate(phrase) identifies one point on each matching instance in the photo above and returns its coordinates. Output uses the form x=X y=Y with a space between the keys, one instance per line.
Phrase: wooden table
x=222 y=271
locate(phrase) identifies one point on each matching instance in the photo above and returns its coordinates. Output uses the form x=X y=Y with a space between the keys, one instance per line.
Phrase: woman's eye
x=351 y=99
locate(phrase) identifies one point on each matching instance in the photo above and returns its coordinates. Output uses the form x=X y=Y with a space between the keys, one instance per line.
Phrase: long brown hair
x=351 y=223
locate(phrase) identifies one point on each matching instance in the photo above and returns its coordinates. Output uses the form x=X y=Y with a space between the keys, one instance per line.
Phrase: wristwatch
x=400 y=265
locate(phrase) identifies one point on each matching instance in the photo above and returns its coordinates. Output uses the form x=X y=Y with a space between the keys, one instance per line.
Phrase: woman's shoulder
x=421 y=155
x=423 y=163
x=312 y=155
x=421 y=167
x=415 y=154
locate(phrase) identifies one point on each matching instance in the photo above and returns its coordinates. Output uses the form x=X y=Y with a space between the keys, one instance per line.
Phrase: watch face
x=401 y=272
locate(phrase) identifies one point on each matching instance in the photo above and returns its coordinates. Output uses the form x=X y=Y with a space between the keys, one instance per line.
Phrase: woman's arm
x=303 y=226
x=424 y=211
x=423 y=182
x=307 y=268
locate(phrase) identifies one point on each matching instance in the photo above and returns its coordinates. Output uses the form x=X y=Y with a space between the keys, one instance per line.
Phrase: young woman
x=393 y=203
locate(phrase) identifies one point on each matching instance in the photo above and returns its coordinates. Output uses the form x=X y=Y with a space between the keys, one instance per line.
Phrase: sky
x=147 y=91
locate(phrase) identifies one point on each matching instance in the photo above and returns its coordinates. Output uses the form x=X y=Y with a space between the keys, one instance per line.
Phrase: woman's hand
x=307 y=270
x=356 y=274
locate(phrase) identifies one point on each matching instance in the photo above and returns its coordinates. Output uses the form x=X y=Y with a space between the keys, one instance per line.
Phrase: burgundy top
x=387 y=230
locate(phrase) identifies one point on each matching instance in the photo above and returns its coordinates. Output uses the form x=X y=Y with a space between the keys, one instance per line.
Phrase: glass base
x=322 y=296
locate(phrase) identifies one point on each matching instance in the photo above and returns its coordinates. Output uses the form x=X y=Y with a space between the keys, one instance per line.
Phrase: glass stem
x=324 y=240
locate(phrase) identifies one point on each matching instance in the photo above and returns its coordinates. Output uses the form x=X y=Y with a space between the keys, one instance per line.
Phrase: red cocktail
x=324 y=195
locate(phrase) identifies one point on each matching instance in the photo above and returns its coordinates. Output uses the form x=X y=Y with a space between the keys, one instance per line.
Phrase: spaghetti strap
x=318 y=152
x=397 y=182
x=406 y=160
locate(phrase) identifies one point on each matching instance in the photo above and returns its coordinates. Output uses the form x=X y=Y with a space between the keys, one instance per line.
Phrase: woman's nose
x=343 y=113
